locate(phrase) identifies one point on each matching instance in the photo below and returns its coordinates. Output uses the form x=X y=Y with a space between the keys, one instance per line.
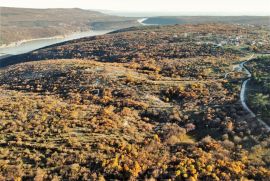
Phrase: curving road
x=243 y=94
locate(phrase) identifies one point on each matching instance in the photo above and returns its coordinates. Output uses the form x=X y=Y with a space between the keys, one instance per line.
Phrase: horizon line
x=159 y=13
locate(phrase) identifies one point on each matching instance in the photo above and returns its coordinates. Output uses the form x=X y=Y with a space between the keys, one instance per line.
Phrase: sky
x=230 y=7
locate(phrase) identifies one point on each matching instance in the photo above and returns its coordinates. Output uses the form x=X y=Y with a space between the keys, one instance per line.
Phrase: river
x=30 y=45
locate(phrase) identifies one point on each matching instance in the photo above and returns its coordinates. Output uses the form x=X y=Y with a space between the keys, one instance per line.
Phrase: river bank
x=18 y=43
x=141 y=21
x=25 y=46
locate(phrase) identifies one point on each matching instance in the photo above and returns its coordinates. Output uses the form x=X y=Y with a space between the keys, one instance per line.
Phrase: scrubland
x=144 y=103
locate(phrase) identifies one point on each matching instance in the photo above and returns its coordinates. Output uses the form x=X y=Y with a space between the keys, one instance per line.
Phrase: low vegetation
x=141 y=104
x=259 y=92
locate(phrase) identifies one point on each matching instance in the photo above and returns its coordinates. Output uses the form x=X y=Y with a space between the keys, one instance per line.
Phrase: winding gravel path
x=243 y=94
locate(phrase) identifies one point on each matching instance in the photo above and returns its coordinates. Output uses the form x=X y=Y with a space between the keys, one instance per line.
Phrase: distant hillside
x=153 y=42
x=22 y=23
x=254 y=20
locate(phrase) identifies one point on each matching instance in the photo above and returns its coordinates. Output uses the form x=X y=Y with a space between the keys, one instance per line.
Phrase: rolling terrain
x=145 y=103
x=23 y=24
x=156 y=42
x=170 y=20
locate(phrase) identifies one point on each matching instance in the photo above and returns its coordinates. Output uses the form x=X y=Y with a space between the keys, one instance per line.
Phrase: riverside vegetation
x=259 y=91
x=147 y=103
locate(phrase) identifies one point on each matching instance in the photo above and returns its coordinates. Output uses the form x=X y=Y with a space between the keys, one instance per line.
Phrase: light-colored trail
x=243 y=94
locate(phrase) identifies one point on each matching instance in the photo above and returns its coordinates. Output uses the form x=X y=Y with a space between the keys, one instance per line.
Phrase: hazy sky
x=182 y=6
